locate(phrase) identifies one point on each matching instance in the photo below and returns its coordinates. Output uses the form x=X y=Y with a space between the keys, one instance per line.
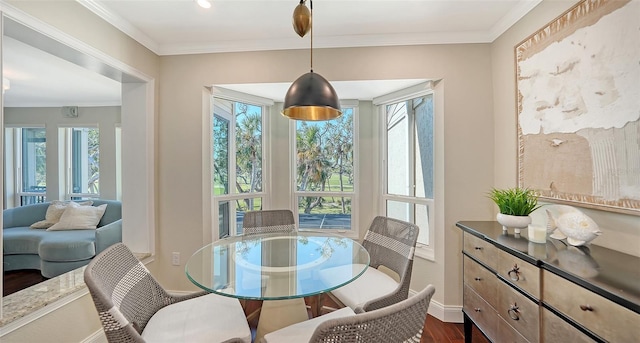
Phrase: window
x=26 y=165
x=408 y=163
x=238 y=167
x=325 y=172
x=83 y=163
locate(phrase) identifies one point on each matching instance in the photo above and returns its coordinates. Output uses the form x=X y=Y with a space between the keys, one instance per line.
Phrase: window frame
x=14 y=166
x=66 y=132
x=354 y=232
x=220 y=93
x=426 y=251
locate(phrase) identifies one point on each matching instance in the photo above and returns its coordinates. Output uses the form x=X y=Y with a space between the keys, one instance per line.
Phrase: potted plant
x=515 y=205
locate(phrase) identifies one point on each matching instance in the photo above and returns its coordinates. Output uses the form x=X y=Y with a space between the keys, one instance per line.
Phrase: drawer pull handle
x=477 y=309
x=586 y=307
x=514 y=312
x=478 y=279
x=516 y=273
x=478 y=248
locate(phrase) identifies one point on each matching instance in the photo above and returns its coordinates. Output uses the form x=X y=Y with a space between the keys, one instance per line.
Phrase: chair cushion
x=302 y=332
x=370 y=285
x=209 y=318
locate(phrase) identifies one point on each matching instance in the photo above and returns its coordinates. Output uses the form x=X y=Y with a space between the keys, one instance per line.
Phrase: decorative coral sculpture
x=578 y=228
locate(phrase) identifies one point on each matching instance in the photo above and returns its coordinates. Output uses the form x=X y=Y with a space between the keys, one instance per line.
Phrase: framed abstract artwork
x=578 y=106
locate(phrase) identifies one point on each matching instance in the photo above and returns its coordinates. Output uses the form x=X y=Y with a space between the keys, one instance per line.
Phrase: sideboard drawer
x=480 y=312
x=522 y=274
x=518 y=311
x=481 y=250
x=603 y=317
x=482 y=281
x=506 y=333
x=555 y=329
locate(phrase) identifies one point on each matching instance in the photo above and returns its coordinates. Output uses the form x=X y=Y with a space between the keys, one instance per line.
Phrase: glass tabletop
x=277 y=266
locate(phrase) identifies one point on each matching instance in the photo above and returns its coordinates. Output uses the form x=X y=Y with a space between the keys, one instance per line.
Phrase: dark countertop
x=609 y=273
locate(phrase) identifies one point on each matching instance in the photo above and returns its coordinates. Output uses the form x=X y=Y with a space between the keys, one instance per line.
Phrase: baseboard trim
x=96 y=337
x=444 y=313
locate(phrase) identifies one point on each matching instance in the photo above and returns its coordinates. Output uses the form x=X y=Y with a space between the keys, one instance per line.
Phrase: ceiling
x=173 y=27
x=183 y=27
x=39 y=79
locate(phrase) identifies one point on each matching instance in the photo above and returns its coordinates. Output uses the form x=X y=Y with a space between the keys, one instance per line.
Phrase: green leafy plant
x=515 y=201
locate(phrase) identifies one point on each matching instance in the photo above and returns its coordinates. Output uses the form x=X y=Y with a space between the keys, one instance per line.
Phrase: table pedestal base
x=276 y=314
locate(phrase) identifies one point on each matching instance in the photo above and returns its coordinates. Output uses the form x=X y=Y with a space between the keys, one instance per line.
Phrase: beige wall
x=620 y=232
x=73 y=322
x=479 y=137
x=464 y=69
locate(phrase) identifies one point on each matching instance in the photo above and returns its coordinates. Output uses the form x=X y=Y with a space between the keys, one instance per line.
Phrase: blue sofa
x=55 y=252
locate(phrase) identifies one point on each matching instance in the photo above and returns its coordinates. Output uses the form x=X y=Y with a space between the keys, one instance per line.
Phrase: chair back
x=268 y=221
x=124 y=293
x=391 y=243
x=400 y=322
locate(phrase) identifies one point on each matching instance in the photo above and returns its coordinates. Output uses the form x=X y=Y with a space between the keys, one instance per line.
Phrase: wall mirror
x=54 y=86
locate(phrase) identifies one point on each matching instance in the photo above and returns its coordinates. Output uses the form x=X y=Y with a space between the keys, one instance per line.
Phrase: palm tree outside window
x=325 y=164
x=238 y=167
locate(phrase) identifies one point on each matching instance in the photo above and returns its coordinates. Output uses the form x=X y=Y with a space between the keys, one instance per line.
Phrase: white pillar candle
x=537 y=233
x=537 y=250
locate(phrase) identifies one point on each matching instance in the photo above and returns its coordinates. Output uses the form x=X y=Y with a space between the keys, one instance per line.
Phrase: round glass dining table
x=281 y=268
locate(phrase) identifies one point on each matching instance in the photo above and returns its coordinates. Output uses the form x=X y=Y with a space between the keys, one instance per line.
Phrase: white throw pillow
x=54 y=212
x=77 y=217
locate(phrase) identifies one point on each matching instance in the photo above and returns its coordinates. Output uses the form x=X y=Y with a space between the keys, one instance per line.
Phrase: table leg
x=276 y=314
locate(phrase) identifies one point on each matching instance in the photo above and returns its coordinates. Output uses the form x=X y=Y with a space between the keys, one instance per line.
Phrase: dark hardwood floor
x=435 y=331
x=16 y=280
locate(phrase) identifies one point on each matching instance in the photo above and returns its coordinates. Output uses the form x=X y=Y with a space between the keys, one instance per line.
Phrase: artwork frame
x=578 y=107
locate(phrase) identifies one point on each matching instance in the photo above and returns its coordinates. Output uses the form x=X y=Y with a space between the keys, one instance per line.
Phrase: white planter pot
x=515 y=222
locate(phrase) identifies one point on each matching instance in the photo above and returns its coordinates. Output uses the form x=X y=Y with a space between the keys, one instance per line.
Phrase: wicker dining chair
x=133 y=306
x=391 y=244
x=266 y=221
x=401 y=322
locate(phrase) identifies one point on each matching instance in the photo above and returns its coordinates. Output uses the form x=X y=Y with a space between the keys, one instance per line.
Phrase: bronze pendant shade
x=310 y=97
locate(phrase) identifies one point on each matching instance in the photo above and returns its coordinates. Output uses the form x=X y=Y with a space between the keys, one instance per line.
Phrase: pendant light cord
x=311 y=5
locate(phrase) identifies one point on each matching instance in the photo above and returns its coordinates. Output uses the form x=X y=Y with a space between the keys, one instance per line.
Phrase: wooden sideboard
x=520 y=291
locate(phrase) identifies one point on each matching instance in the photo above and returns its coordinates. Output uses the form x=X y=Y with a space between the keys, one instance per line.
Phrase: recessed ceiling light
x=204 y=3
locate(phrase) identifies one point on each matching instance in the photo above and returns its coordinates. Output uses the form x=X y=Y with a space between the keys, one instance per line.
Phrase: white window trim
x=354 y=233
x=422 y=250
x=15 y=163
x=65 y=132
x=266 y=104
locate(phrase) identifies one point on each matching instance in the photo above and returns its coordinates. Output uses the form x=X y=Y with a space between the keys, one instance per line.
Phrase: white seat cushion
x=209 y=318
x=302 y=332
x=370 y=285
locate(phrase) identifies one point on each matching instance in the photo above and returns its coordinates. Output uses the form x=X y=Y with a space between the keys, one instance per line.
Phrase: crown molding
x=120 y=23
x=343 y=41
x=511 y=18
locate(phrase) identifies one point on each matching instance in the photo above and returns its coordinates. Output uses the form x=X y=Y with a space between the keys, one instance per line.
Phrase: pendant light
x=311 y=96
